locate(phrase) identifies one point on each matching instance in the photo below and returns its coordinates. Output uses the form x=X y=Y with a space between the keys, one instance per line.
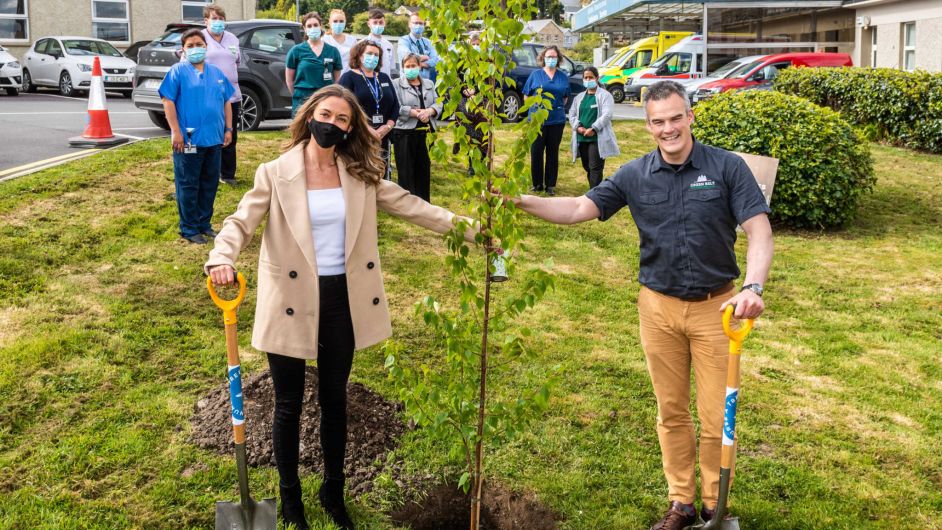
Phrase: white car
x=11 y=75
x=731 y=68
x=66 y=63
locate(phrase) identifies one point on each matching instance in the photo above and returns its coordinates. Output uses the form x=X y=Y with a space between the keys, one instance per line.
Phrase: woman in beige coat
x=320 y=286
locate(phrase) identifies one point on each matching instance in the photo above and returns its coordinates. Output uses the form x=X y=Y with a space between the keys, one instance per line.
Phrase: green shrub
x=823 y=166
x=904 y=108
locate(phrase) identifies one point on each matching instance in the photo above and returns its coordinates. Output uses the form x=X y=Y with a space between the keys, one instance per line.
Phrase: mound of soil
x=448 y=508
x=373 y=426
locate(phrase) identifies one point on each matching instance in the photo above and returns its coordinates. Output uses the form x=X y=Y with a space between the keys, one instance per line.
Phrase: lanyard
x=418 y=44
x=374 y=87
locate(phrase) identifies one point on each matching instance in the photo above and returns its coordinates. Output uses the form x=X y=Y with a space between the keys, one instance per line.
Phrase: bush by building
x=824 y=167
x=904 y=108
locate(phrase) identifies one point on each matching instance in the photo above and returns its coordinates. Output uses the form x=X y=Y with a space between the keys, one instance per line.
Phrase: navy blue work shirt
x=686 y=217
x=200 y=99
x=388 y=104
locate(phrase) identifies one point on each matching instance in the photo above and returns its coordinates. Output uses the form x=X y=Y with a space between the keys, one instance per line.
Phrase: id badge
x=328 y=76
x=189 y=149
x=377 y=119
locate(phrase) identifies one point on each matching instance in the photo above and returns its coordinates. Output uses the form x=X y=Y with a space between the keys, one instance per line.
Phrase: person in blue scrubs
x=196 y=102
x=312 y=64
x=554 y=82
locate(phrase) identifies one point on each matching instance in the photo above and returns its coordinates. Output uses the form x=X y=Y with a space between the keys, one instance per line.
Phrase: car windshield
x=663 y=59
x=744 y=70
x=728 y=69
x=90 y=48
x=170 y=38
x=613 y=59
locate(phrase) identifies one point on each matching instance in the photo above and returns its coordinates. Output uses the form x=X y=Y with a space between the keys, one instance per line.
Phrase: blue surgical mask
x=337 y=27
x=417 y=29
x=195 y=55
x=477 y=47
x=551 y=62
x=313 y=33
x=217 y=26
x=590 y=84
x=370 y=61
x=411 y=73
x=377 y=30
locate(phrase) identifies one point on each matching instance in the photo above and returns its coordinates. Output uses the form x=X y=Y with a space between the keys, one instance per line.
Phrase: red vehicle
x=764 y=70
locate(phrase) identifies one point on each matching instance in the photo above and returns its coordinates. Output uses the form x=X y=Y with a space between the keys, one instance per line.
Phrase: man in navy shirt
x=686 y=199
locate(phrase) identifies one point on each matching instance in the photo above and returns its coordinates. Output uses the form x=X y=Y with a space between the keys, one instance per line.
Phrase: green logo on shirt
x=703 y=182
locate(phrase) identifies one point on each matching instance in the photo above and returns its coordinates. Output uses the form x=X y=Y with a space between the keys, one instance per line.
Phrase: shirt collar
x=695 y=159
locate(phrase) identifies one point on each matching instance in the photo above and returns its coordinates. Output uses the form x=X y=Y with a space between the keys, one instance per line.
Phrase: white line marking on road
x=129 y=136
x=140 y=129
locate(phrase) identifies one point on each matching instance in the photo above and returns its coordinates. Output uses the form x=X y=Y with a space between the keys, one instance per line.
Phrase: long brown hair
x=360 y=152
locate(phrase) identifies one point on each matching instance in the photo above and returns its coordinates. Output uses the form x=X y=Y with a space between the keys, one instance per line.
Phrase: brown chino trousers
x=674 y=334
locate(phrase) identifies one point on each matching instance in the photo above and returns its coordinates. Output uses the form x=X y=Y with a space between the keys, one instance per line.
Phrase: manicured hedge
x=904 y=108
x=823 y=166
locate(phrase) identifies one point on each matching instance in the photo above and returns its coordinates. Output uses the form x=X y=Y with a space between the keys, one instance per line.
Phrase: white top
x=388 y=53
x=349 y=41
x=328 y=228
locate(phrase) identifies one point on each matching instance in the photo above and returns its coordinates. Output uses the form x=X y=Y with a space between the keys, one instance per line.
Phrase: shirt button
x=289 y=311
x=370 y=265
x=293 y=274
x=376 y=301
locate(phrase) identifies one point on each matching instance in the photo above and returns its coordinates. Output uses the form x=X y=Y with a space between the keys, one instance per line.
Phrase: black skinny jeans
x=228 y=168
x=334 y=360
x=548 y=141
x=412 y=161
x=592 y=163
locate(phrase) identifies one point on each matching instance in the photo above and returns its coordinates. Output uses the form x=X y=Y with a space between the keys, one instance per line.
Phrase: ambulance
x=626 y=61
x=683 y=61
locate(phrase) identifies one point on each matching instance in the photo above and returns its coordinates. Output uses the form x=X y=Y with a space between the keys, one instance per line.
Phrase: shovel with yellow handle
x=246 y=514
x=728 y=456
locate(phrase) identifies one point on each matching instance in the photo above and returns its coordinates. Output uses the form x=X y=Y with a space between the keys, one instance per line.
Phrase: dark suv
x=264 y=46
x=525 y=59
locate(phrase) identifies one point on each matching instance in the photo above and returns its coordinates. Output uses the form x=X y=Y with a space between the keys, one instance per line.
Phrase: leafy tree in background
x=277 y=9
x=395 y=25
x=583 y=49
x=549 y=9
x=349 y=7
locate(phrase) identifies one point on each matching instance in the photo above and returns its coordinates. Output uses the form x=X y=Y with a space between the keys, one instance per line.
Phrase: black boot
x=331 y=497
x=292 y=507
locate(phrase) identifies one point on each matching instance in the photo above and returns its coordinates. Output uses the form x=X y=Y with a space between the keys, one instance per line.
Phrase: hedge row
x=904 y=108
x=824 y=167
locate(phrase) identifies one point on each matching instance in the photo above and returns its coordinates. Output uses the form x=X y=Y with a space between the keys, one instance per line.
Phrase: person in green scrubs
x=590 y=116
x=312 y=64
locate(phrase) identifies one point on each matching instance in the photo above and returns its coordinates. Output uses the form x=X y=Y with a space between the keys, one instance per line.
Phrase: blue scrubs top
x=558 y=86
x=200 y=99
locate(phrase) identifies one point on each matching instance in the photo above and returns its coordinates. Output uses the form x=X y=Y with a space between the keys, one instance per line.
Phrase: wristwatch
x=754 y=287
x=228 y=129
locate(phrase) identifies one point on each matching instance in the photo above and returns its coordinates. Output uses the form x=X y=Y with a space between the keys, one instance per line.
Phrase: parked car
x=66 y=63
x=632 y=58
x=681 y=61
x=764 y=70
x=525 y=59
x=11 y=74
x=264 y=46
x=131 y=51
x=731 y=68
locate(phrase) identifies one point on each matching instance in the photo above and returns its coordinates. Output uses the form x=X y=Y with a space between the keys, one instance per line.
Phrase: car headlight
x=84 y=67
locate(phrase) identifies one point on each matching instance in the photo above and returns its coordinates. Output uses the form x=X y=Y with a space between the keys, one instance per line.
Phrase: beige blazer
x=286 y=313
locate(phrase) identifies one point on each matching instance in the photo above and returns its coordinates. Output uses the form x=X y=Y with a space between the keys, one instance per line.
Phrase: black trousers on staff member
x=592 y=163
x=547 y=141
x=334 y=361
x=228 y=172
x=412 y=161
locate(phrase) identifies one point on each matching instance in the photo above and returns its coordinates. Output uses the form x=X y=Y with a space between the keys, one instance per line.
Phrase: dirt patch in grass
x=373 y=427
x=447 y=508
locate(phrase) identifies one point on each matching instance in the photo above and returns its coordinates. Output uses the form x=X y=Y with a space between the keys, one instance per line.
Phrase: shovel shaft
x=235 y=384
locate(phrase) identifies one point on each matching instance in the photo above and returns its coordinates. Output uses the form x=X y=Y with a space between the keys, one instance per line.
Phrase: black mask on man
x=326 y=134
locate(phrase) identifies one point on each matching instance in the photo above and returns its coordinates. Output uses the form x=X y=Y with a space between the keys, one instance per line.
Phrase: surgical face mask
x=370 y=61
x=195 y=55
x=477 y=47
x=551 y=62
x=313 y=33
x=377 y=30
x=337 y=27
x=326 y=134
x=417 y=29
x=590 y=84
x=217 y=26
x=411 y=73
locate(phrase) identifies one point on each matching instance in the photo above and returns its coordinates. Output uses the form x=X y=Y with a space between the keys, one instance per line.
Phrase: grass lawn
x=107 y=339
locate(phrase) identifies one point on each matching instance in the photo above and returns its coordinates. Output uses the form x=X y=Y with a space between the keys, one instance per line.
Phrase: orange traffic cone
x=98 y=132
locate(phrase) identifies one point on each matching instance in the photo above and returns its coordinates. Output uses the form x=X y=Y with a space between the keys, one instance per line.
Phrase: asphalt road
x=36 y=127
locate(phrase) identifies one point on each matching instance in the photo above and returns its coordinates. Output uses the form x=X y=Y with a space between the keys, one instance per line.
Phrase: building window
x=193 y=10
x=110 y=20
x=14 y=20
x=909 y=46
x=873 y=47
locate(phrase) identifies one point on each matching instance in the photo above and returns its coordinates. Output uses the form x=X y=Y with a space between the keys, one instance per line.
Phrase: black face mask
x=326 y=134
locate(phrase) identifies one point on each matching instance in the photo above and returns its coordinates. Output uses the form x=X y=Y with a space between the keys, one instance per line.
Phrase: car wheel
x=253 y=111
x=65 y=85
x=617 y=92
x=12 y=91
x=28 y=85
x=158 y=119
x=511 y=105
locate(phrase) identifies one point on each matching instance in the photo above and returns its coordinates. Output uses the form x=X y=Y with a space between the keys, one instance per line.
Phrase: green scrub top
x=588 y=113
x=311 y=71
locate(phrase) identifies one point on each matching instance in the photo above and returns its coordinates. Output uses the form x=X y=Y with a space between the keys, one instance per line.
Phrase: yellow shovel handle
x=228 y=306
x=736 y=335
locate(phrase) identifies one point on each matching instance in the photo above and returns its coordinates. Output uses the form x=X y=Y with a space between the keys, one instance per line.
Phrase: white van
x=682 y=61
